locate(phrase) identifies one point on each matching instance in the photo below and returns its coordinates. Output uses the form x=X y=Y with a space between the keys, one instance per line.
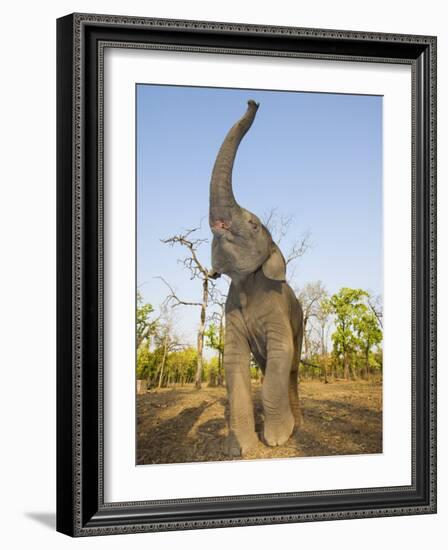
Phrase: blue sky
x=313 y=156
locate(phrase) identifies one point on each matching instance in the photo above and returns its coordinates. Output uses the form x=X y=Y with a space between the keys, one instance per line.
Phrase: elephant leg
x=242 y=436
x=279 y=419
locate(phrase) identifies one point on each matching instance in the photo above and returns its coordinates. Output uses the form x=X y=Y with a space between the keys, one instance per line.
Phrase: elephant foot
x=240 y=446
x=277 y=432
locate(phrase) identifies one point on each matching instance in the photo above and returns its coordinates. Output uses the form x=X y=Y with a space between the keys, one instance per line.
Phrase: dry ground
x=188 y=425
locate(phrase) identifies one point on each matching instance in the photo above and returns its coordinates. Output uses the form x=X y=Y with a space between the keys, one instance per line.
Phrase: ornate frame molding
x=81 y=42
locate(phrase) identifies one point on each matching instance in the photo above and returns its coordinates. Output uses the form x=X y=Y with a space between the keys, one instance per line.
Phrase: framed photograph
x=246 y=274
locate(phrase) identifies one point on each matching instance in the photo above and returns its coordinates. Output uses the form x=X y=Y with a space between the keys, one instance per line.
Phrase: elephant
x=263 y=316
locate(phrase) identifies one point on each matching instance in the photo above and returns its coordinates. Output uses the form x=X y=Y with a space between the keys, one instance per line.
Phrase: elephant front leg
x=242 y=438
x=279 y=419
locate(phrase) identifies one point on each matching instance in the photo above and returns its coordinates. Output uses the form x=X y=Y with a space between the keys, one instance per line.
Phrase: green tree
x=144 y=327
x=376 y=360
x=144 y=358
x=147 y=364
x=369 y=335
x=215 y=340
x=210 y=372
x=182 y=365
x=347 y=305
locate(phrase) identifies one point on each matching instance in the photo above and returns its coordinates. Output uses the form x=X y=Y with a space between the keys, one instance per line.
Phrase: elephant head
x=241 y=243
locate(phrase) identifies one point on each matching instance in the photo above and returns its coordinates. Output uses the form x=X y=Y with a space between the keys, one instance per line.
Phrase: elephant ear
x=274 y=267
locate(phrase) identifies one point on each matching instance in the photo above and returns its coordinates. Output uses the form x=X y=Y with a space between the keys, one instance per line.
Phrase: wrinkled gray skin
x=263 y=316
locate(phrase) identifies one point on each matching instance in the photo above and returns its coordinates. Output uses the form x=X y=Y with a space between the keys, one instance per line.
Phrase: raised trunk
x=221 y=193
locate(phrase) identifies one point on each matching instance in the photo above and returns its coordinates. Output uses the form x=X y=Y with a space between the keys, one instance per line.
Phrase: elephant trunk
x=221 y=193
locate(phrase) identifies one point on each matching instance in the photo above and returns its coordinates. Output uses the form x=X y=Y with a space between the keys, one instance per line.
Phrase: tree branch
x=174 y=297
x=192 y=263
x=298 y=248
x=376 y=308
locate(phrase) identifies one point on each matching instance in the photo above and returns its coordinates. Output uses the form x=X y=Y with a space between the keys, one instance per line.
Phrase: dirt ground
x=188 y=425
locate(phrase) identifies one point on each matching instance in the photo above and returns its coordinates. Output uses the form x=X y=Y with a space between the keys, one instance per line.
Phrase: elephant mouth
x=221 y=227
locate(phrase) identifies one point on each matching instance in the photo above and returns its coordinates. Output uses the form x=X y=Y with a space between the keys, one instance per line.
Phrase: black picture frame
x=81 y=510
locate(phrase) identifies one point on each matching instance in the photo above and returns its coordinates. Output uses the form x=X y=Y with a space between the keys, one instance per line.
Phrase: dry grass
x=188 y=425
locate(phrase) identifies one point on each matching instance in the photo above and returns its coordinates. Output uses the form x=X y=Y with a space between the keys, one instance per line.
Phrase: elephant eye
x=253 y=224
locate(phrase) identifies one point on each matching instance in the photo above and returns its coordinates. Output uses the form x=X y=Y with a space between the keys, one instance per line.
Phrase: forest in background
x=342 y=340
x=342 y=331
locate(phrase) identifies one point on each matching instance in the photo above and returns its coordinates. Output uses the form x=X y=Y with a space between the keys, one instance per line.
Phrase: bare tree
x=165 y=353
x=197 y=271
x=310 y=297
x=376 y=305
x=323 y=317
x=218 y=299
x=322 y=314
x=167 y=342
x=279 y=226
